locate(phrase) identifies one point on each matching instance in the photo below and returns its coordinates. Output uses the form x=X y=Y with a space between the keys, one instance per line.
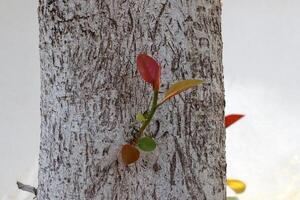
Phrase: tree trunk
x=91 y=91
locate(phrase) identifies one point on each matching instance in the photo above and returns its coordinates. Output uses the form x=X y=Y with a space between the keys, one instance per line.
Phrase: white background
x=261 y=62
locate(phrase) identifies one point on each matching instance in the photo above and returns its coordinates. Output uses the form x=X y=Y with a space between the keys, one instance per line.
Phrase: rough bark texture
x=91 y=92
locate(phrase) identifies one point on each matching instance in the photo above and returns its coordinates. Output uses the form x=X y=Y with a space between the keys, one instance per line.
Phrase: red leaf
x=230 y=119
x=149 y=70
x=129 y=154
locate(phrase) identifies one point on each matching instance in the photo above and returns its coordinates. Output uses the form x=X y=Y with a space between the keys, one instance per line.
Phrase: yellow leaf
x=140 y=117
x=179 y=87
x=236 y=185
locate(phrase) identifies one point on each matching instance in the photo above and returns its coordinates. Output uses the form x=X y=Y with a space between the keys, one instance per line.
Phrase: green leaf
x=146 y=144
x=232 y=198
x=140 y=117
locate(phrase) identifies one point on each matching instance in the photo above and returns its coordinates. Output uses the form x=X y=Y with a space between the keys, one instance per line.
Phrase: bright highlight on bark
x=236 y=185
x=230 y=119
x=146 y=144
x=149 y=70
x=179 y=87
x=129 y=154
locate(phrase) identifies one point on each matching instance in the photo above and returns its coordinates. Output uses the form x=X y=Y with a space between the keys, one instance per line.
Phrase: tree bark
x=91 y=91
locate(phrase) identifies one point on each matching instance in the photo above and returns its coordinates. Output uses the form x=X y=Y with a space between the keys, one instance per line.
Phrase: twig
x=27 y=188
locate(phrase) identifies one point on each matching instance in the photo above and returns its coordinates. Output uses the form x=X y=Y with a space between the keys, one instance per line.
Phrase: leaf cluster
x=150 y=72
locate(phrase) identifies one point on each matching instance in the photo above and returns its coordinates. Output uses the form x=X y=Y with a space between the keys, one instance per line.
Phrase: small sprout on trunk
x=150 y=71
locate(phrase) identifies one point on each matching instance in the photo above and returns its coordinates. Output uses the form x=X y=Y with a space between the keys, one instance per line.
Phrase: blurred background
x=262 y=68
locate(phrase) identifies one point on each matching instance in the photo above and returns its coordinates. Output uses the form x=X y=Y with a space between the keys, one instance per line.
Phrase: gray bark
x=91 y=91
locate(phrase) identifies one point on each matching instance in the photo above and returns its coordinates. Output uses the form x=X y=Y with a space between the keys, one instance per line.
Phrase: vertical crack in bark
x=172 y=170
x=158 y=18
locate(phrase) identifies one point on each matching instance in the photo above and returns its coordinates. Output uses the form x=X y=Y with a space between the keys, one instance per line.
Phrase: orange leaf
x=230 y=119
x=236 y=185
x=149 y=70
x=130 y=154
x=179 y=87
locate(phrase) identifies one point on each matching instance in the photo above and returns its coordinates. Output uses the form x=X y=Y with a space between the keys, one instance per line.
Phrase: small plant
x=150 y=71
x=236 y=185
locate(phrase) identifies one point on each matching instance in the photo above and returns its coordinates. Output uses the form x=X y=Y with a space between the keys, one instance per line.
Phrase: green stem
x=149 y=117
